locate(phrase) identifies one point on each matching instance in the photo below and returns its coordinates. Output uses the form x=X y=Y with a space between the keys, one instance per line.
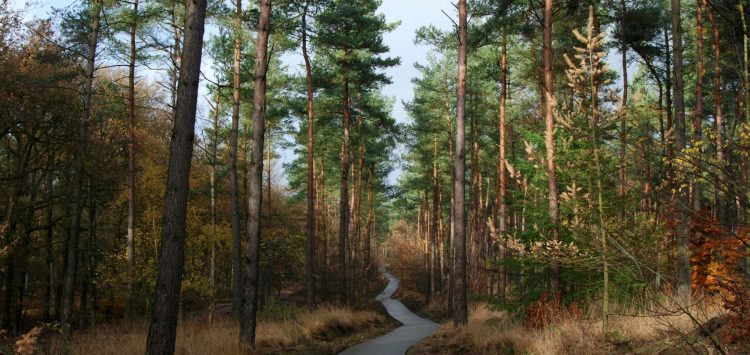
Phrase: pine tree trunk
x=162 y=330
x=248 y=320
x=212 y=181
x=501 y=216
x=269 y=205
x=49 y=283
x=698 y=114
x=623 y=111
x=475 y=194
x=311 y=193
x=78 y=173
x=721 y=197
x=435 y=266
x=233 y=185
x=682 y=203
x=746 y=103
x=130 y=254
x=357 y=210
x=669 y=108
x=460 y=311
x=369 y=233
x=549 y=118
x=344 y=198
x=449 y=250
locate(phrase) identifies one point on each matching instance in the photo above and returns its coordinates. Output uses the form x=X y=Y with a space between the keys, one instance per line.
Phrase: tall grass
x=498 y=332
x=198 y=337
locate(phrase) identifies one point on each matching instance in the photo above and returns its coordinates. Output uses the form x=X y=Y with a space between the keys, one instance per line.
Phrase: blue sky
x=412 y=14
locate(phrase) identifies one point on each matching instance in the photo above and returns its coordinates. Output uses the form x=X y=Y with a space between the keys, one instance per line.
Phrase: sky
x=412 y=14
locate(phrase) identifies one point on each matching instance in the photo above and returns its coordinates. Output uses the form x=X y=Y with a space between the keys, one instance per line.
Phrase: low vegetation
x=327 y=329
x=661 y=328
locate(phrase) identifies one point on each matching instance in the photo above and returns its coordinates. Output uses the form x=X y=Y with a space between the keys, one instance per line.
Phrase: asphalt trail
x=414 y=328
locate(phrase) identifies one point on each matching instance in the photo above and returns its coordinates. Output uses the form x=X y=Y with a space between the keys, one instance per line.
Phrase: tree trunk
x=549 y=118
x=250 y=304
x=683 y=272
x=623 y=111
x=311 y=193
x=49 y=256
x=452 y=218
x=233 y=185
x=161 y=334
x=344 y=197
x=434 y=260
x=78 y=173
x=269 y=205
x=130 y=254
x=475 y=195
x=721 y=196
x=369 y=233
x=212 y=181
x=746 y=100
x=501 y=215
x=698 y=114
x=460 y=311
x=669 y=109
x=357 y=210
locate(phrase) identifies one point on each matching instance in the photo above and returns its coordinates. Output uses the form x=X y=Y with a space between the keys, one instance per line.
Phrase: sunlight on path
x=414 y=328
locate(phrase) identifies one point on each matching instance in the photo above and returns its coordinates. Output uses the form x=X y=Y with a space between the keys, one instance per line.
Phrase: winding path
x=414 y=328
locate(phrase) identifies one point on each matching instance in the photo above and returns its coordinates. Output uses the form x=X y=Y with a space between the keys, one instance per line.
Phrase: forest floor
x=282 y=329
x=326 y=330
x=493 y=331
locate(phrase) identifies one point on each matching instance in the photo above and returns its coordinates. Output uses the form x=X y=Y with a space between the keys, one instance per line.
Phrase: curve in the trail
x=414 y=328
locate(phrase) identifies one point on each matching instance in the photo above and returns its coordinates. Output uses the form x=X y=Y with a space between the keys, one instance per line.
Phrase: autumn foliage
x=717 y=262
x=548 y=310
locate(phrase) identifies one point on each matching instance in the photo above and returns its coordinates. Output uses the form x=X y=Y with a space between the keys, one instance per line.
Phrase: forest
x=232 y=176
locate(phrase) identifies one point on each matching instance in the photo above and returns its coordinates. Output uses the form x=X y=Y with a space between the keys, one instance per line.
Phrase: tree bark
x=668 y=101
x=357 y=210
x=549 y=118
x=344 y=196
x=682 y=203
x=501 y=215
x=623 y=110
x=460 y=311
x=161 y=334
x=721 y=197
x=49 y=256
x=434 y=260
x=212 y=182
x=233 y=181
x=698 y=114
x=311 y=193
x=130 y=253
x=250 y=304
x=78 y=173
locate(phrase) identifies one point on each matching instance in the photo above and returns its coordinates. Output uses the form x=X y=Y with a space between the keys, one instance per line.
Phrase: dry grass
x=497 y=332
x=198 y=337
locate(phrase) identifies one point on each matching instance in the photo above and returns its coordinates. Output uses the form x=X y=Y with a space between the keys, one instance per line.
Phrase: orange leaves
x=548 y=310
x=717 y=269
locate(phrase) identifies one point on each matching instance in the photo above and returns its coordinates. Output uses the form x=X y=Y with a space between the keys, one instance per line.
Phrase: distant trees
x=618 y=187
x=352 y=33
x=66 y=312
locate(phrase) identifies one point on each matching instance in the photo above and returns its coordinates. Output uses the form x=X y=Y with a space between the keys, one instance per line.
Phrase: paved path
x=414 y=328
